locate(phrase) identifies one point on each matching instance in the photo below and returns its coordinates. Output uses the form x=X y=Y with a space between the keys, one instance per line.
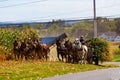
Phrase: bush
x=116 y=51
x=115 y=47
x=101 y=47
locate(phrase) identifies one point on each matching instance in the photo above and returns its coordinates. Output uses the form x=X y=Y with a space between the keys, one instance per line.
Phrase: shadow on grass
x=5 y=73
x=117 y=61
x=108 y=65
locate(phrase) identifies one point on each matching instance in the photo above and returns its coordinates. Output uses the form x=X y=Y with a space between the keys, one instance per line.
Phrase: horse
x=61 y=50
x=69 y=45
x=24 y=50
x=80 y=52
x=16 y=49
x=45 y=51
x=39 y=50
x=31 y=49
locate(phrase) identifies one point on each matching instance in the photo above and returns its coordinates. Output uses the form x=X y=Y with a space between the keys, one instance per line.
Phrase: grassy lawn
x=115 y=51
x=116 y=58
x=32 y=70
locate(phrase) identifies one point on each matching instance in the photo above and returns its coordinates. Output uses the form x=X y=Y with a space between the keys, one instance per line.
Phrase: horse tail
x=85 y=48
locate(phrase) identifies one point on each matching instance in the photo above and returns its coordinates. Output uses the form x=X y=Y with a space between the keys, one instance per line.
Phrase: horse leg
x=26 y=56
x=84 y=58
x=46 y=52
x=81 y=58
x=58 y=55
x=46 y=55
x=62 y=57
x=18 y=56
x=73 y=61
x=68 y=57
x=39 y=54
x=21 y=56
x=15 y=55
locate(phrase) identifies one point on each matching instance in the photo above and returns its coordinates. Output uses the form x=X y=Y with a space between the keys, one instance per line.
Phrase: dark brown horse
x=16 y=49
x=41 y=49
x=45 y=51
x=69 y=45
x=24 y=50
x=61 y=50
x=30 y=50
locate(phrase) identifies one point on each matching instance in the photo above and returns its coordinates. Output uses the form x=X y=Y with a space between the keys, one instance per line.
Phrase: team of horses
x=30 y=49
x=74 y=53
x=33 y=48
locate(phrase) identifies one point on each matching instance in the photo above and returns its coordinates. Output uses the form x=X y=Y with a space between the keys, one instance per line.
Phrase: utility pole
x=95 y=19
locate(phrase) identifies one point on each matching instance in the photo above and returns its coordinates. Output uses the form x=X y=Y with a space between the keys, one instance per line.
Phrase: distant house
x=110 y=36
x=117 y=38
x=103 y=36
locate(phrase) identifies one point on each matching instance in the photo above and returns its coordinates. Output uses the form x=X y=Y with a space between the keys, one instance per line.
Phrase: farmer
x=82 y=40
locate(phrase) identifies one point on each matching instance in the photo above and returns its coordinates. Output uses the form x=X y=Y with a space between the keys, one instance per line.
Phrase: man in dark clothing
x=82 y=40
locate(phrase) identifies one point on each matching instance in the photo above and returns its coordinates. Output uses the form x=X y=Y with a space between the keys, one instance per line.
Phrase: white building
x=110 y=36
x=117 y=38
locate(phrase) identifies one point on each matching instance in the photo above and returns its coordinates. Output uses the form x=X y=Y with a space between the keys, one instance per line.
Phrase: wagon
x=49 y=41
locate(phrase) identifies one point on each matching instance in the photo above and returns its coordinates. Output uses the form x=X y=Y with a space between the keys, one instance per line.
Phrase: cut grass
x=32 y=70
x=116 y=58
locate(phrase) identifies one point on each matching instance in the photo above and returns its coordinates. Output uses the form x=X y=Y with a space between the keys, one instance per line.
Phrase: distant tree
x=26 y=26
x=53 y=29
x=82 y=28
x=60 y=23
x=38 y=26
x=117 y=25
x=105 y=25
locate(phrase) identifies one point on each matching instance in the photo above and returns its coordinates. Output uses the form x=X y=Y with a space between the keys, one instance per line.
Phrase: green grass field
x=116 y=58
x=115 y=51
x=32 y=70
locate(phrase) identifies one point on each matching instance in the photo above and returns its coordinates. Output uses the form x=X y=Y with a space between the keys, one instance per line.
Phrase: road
x=104 y=74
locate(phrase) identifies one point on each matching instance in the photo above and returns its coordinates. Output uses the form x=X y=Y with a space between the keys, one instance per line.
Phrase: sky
x=47 y=10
